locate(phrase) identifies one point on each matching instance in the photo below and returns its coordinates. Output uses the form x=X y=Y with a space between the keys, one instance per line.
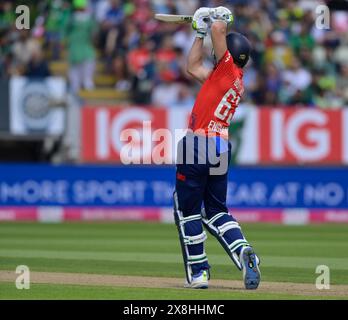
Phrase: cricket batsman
x=204 y=153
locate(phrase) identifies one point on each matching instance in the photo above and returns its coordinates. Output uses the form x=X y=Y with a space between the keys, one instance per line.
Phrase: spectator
x=58 y=17
x=140 y=56
x=144 y=78
x=250 y=81
x=122 y=73
x=295 y=81
x=342 y=84
x=182 y=37
x=110 y=25
x=302 y=40
x=277 y=51
x=184 y=99
x=23 y=51
x=131 y=36
x=5 y=53
x=7 y=14
x=37 y=66
x=167 y=56
x=167 y=92
x=272 y=85
x=79 y=37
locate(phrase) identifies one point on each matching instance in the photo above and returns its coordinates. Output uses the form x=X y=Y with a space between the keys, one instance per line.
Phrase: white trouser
x=81 y=75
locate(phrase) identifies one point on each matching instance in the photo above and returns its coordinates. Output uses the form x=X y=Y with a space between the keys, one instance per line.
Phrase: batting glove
x=221 y=14
x=201 y=21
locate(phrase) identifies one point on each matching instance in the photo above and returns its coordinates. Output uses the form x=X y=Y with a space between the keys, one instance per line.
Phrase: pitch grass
x=288 y=254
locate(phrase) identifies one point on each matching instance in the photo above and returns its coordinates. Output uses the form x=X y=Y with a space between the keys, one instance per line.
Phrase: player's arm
x=195 y=67
x=221 y=17
x=195 y=61
x=218 y=37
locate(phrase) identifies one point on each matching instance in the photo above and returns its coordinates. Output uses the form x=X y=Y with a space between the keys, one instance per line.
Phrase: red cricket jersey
x=218 y=99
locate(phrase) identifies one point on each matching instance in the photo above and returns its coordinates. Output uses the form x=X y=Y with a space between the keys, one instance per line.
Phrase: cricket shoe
x=250 y=268
x=199 y=281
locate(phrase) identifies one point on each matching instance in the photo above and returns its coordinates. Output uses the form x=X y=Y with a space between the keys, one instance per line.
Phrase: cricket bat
x=173 y=18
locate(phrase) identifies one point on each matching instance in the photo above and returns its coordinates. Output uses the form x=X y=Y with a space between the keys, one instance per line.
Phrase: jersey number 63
x=227 y=106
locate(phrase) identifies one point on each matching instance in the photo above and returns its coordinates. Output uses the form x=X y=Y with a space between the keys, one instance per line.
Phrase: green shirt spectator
x=58 y=16
x=302 y=40
x=81 y=53
x=7 y=15
x=79 y=37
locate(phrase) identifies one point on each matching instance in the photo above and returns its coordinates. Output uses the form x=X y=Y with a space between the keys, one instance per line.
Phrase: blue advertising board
x=152 y=186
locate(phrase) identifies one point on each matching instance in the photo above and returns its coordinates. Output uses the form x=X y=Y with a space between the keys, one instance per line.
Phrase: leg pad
x=228 y=233
x=192 y=238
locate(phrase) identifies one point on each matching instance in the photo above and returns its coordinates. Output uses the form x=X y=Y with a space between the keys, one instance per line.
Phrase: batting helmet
x=239 y=47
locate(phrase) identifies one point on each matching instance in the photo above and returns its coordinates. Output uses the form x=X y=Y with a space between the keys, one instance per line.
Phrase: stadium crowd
x=293 y=61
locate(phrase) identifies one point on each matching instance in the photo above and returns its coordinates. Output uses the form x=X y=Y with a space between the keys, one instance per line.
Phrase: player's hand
x=221 y=14
x=201 y=21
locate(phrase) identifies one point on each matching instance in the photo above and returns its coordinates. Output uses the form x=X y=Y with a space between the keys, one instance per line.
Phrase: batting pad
x=228 y=232
x=192 y=238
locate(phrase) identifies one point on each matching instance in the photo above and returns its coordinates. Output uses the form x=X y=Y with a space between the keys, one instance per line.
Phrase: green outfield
x=146 y=262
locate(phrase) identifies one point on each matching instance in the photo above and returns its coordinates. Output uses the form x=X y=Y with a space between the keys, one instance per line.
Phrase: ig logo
x=23 y=280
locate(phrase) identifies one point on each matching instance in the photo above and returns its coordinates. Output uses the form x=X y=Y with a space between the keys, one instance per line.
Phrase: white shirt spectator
x=297 y=78
x=183 y=39
x=165 y=94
